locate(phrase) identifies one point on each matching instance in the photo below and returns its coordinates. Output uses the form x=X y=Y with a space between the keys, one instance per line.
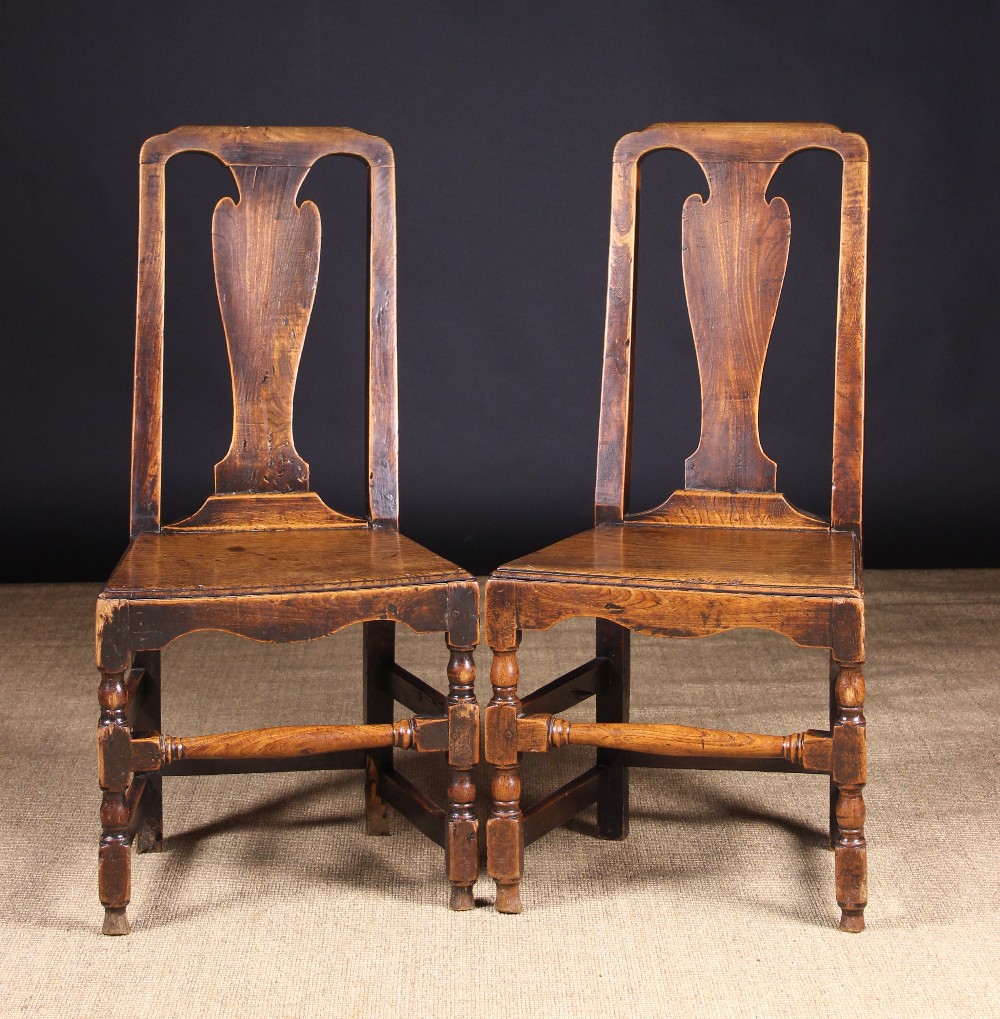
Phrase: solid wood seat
x=743 y=560
x=239 y=563
x=727 y=550
x=264 y=557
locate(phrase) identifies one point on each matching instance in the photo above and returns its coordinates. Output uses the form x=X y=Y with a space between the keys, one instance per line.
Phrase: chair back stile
x=735 y=249
x=266 y=251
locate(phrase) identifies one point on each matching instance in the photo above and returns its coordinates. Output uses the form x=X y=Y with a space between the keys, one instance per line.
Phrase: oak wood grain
x=264 y=557
x=733 y=297
x=277 y=511
x=723 y=559
x=691 y=508
x=810 y=751
x=823 y=622
x=732 y=302
x=741 y=141
x=267 y=146
x=150 y=752
x=728 y=550
x=183 y=563
x=130 y=623
x=266 y=252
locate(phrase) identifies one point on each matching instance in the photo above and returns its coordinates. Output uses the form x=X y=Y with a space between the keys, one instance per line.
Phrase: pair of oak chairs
x=265 y=558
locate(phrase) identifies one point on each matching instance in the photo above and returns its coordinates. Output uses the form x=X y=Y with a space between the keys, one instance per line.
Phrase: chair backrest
x=266 y=250
x=734 y=252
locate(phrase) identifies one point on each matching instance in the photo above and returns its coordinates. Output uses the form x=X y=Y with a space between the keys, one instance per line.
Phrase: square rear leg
x=613 y=643
x=144 y=715
x=379 y=656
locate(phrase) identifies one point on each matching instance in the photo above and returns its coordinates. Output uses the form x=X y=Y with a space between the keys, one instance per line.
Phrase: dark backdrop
x=503 y=118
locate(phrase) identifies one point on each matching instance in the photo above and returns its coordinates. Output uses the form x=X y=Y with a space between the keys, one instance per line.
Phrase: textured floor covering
x=270 y=901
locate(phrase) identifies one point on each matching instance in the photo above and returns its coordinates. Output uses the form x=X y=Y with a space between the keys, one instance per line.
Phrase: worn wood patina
x=264 y=557
x=726 y=551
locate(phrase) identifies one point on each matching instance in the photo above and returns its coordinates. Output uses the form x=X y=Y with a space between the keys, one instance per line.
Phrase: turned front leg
x=462 y=844
x=113 y=773
x=848 y=774
x=504 y=829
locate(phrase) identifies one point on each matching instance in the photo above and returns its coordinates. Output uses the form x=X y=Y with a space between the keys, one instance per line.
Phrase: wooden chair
x=726 y=551
x=264 y=557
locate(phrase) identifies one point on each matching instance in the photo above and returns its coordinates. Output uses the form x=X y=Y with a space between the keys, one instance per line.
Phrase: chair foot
x=377 y=821
x=148 y=840
x=378 y=828
x=461 y=897
x=612 y=834
x=116 y=921
x=508 y=899
x=852 y=920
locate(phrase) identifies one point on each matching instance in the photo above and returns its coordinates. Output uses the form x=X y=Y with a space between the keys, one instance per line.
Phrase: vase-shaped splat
x=735 y=250
x=266 y=252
